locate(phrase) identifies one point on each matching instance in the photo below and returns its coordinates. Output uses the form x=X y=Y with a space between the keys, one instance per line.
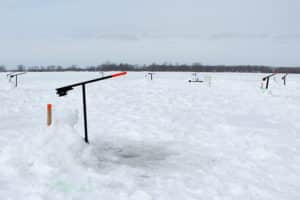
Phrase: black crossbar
x=266 y=77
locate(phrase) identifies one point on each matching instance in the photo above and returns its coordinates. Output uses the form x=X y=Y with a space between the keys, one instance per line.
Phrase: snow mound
x=162 y=139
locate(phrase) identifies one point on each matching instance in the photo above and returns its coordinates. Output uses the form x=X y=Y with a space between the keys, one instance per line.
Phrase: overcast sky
x=90 y=32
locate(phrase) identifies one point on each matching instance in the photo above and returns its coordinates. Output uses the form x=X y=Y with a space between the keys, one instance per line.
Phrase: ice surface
x=161 y=139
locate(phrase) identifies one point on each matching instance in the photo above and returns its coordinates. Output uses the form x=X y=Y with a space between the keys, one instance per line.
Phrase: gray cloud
x=287 y=37
x=117 y=36
x=189 y=36
x=78 y=31
x=222 y=36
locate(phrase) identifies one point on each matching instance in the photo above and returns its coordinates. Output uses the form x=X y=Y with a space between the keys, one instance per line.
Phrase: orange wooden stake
x=49 y=114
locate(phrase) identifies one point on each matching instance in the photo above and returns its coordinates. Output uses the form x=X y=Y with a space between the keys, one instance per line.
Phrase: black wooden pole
x=86 y=139
x=16 y=80
x=267 y=84
x=284 y=79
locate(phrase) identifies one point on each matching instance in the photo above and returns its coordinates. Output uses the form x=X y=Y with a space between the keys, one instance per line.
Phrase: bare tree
x=2 y=68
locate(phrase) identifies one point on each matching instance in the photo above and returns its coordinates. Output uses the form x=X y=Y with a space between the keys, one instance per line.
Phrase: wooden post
x=267 y=84
x=284 y=79
x=86 y=138
x=49 y=114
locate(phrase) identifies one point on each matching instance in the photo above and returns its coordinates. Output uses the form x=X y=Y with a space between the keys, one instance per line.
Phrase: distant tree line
x=196 y=67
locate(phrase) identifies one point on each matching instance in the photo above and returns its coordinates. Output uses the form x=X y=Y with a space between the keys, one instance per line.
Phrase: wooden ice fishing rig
x=267 y=79
x=151 y=75
x=12 y=75
x=63 y=92
x=284 y=79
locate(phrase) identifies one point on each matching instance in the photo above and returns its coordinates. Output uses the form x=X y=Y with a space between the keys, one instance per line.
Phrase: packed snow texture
x=160 y=139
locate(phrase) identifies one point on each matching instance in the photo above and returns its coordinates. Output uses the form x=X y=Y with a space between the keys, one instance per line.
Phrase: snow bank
x=160 y=139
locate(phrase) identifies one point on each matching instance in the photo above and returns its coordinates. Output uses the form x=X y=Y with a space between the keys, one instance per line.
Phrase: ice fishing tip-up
x=63 y=91
x=11 y=75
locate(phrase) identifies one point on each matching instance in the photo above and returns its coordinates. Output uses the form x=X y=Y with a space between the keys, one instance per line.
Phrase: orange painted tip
x=49 y=106
x=119 y=74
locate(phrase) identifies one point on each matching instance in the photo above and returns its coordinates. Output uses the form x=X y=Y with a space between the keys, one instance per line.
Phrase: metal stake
x=86 y=139
x=267 y=84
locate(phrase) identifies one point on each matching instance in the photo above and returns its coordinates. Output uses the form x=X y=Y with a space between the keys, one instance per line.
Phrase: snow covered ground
x=161 y=139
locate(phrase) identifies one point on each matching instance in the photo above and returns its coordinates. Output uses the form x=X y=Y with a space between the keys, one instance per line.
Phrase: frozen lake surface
x=161 y=139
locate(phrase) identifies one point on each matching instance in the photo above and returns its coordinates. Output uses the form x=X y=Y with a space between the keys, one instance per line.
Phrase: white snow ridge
x=164 y=139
